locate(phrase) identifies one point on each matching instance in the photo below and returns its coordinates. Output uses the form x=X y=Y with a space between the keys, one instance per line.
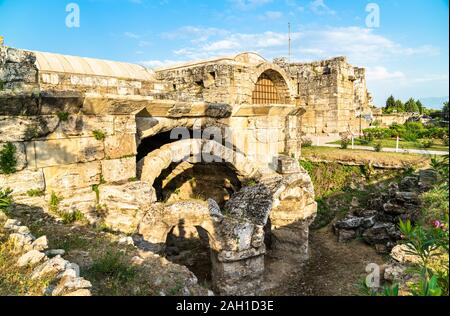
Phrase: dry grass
x=14 y=280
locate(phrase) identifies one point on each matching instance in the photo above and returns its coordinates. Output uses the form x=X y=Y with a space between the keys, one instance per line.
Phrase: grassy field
x=438 y=145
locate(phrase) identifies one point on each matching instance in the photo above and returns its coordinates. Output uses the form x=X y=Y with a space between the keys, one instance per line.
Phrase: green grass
x=112 y=266
x=35 y=193
x=392 y=143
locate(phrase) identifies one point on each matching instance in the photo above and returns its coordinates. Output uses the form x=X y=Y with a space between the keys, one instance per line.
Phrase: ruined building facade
x=97 y=134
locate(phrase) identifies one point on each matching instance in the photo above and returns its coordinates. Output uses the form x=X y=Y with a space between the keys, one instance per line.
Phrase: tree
x=411 y=106
x=445 y=111
x=420 y=107
x=399 y=106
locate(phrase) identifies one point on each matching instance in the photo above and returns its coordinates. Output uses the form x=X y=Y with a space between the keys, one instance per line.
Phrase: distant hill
x=434 y=102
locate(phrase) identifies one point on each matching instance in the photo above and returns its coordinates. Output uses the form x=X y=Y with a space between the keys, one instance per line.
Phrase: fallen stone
x=40 y=244
x=21 y=240
x=401 y=254
x=70 y=284
x=127 y=241
x=380 y=233
x=349 y=222
x=12 y=224
x=30 y=258
x=55 y=252
x=345 y=235
x=394 y=273
x=52 y=266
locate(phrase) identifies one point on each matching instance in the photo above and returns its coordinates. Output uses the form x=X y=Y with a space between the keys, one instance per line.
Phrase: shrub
x=63 y=116
x=378 y=147
x=306 y=142
x=345 y=141
x=99 y=135
x=426 y=143
x=31 y=132
x=8 y=160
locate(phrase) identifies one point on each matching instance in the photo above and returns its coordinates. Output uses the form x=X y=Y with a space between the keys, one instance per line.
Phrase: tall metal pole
x=290 y=42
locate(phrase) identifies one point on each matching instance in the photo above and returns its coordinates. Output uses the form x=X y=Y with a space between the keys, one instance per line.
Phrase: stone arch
x=192 y=150
x=276 y=77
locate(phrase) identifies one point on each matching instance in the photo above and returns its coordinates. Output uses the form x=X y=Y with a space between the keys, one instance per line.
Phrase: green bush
x=378 y=147
x=426 y=143
x=8 y=162
x=345 y=141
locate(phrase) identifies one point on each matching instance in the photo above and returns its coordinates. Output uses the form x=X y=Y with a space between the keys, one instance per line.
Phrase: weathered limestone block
x=84 y=126
x=126 y=204
x=125 y=124
x=119 y=170
x=67 y=151
x=23 y=181
x=121 y=145
x=70 y=177
x=242 y=277
x=21 y=128
x=82 y=200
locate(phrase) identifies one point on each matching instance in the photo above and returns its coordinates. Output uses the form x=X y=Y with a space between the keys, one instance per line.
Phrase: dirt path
x=334 y=269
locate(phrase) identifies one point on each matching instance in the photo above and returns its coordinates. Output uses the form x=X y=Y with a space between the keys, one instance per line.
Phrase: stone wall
x=76 y=136
x=333 y=93
x=386 y=120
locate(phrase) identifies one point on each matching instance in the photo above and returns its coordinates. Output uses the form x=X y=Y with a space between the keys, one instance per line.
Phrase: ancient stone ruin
x=99 y=135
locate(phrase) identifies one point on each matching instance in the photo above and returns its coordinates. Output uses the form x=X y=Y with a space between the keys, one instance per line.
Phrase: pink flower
x=437 y=224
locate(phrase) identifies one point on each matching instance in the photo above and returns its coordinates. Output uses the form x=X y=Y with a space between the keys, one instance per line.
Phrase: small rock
x=137 y=261
x=11 y=223
x=30 y=258
x=52 y=266
x=80 y=293
x=69 y=284
x=21 y=240
x=40 y=244
x=400 y=253
x=394 y=273
x=55 y=252
x=3 y=217
x=409 y=183
x=345 y=235
x=128 y=241
x=22 y=230
x=355 y=202
x=349 y=222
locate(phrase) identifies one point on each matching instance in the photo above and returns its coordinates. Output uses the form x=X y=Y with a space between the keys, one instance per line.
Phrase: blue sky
x=407 y=55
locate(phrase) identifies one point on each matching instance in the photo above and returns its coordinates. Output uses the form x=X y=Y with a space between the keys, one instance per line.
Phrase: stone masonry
x=79 y=124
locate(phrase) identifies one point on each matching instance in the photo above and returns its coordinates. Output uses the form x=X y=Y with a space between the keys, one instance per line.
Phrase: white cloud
x=272 y=15
x=381 y=73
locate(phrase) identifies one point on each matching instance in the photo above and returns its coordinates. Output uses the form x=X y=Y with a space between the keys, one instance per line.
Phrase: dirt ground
x=334 y=269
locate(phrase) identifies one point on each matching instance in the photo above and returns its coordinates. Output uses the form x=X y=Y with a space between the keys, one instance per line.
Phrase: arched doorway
x=271 y=88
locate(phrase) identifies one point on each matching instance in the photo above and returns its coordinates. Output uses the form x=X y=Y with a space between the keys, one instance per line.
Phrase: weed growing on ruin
x=35 y=193
x=113 y=267
x=2 y=85
x=66 y=217
x=5 y=200
x=8 y=161
x=63 y=116
x=99 y=135
x=95 y=188
x=31 y=132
